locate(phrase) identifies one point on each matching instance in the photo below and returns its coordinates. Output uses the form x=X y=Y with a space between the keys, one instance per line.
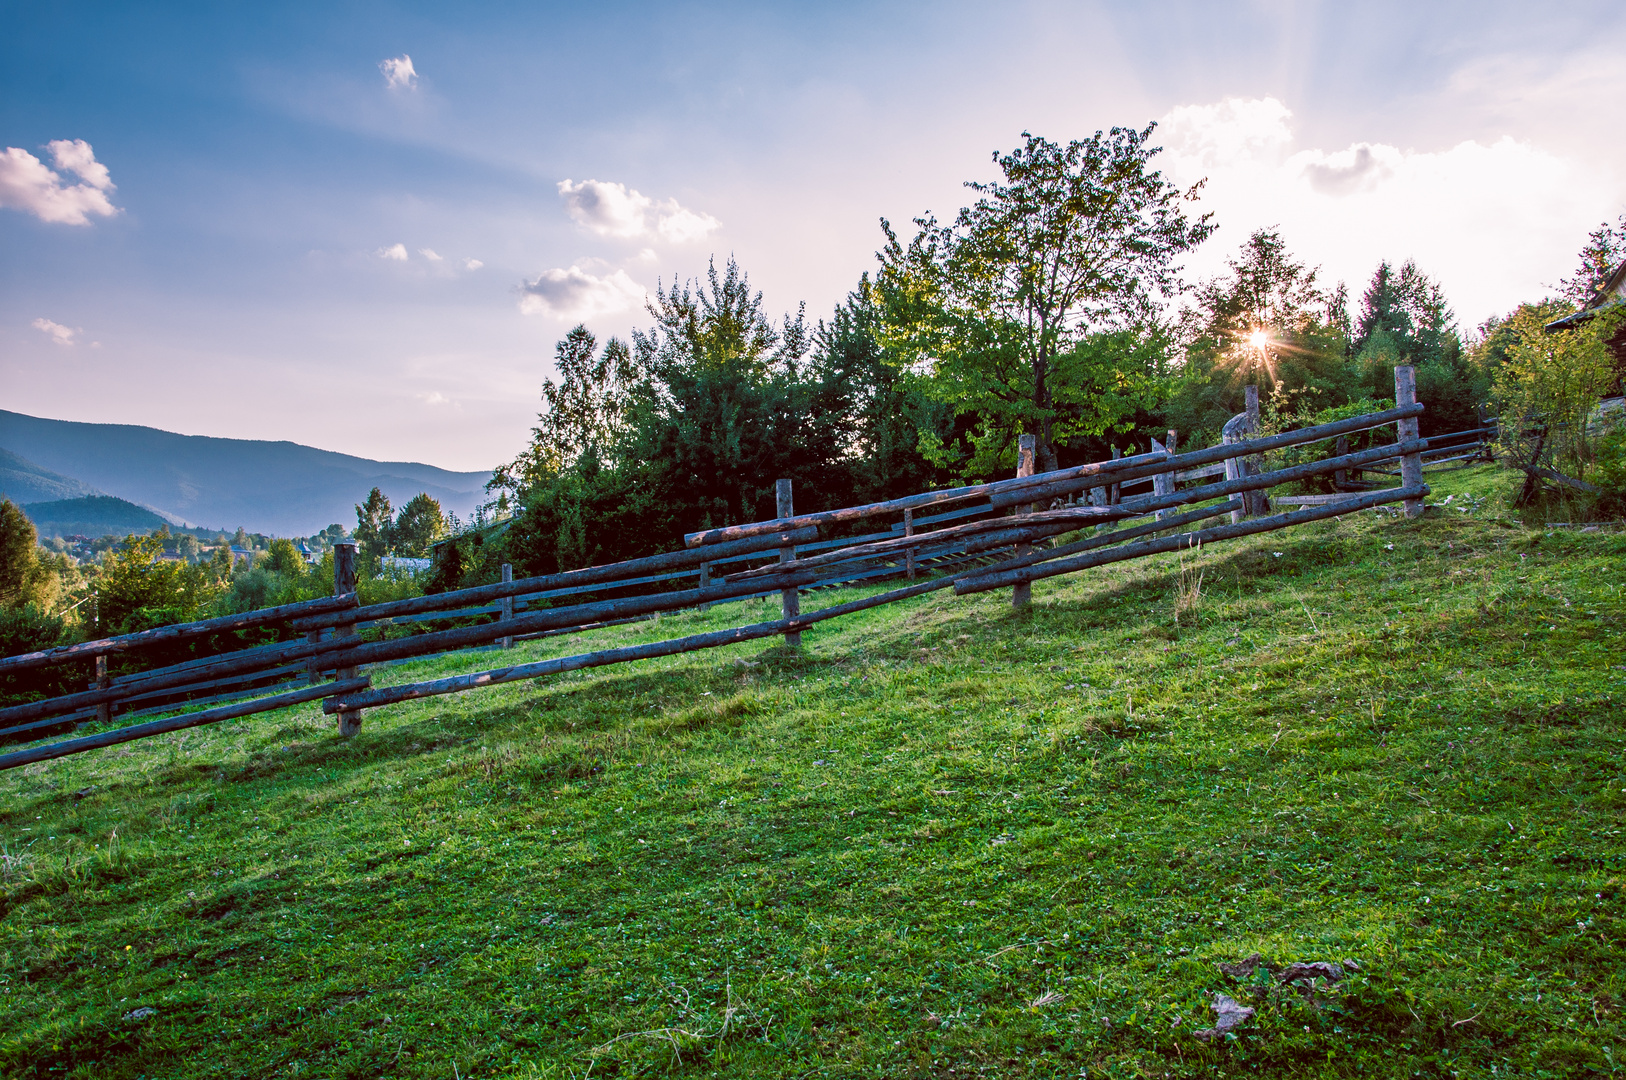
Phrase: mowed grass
x=943 y=840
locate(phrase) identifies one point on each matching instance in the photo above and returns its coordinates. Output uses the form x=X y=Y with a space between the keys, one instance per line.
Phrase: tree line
x=1053 y=306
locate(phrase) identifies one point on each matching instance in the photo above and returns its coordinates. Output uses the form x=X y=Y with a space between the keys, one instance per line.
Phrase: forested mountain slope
x=274 y=487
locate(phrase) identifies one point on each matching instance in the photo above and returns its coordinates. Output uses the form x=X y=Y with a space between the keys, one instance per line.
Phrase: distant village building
x=305 y=552
x=239 y=553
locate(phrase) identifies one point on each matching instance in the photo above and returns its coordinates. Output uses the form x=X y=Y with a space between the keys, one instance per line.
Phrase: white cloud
x=612 y=209
x=76 y=156
x=397 y=252
x=435 y=397
x=27 y=185
x=429 y=254
x=1490 y=221
x=58 y=333
x=681 y=226
x=399 y=73
x=472 y=264
x=605 y=208
x=576 y=294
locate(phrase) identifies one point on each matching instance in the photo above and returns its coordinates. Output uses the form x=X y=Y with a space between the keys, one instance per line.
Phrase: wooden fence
x=972 y=539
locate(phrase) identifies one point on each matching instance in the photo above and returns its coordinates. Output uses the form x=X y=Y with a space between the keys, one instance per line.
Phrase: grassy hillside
x=945 y=840
x=93 y=515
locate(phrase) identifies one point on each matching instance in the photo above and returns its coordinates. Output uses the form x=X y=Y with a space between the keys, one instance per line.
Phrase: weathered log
x=175 y=723
x=1255 y=500
x=266 y=656
x=790 y=603
x=1411 y=465
x=996 y=577
x=344 y=581
x=1068 y=481
x=731 y=533
x=338 y=650
x=1258 y=481
x=1117 y=536
x=1022 y=594
x=507 y=605
x=388 y=695
x=608 y=574
x=1012 y=530
x=1553 y=474
x=165 y=635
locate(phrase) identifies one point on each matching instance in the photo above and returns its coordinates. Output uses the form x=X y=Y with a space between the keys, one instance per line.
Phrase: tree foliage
x=375 y=529
x=419 y=524
x=1074 y=241
x=1548 y=387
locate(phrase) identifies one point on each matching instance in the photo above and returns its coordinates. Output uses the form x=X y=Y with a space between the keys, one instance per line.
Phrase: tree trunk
x=1045 y=453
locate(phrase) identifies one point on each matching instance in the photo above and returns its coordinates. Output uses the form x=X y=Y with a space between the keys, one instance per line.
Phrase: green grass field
x=943 y=840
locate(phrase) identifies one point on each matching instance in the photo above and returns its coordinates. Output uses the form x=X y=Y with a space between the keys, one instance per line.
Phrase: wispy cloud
x=576 y=294
x=430 y=254
x=395 y=252
x=472 y=264
x=62 y=335
x=612 y=209
x=399 y=73
x=26 y=184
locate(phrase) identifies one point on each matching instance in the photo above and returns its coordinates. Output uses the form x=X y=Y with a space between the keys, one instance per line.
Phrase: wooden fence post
x=507 y=605
x=1235 y=467
x=1411 y=465
x=344 y=583
x=104 y=711
x=1339 y=476
x=705 y=582
x=313 y=666
x=1256 y=502
x=790 y=601
x=1022 y=591
x=909 y=553
x=1163 y=483
x=1116 y=493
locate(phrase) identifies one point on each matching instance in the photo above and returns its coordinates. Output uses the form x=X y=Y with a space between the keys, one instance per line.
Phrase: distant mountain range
x=22 y=481
x=278 y=488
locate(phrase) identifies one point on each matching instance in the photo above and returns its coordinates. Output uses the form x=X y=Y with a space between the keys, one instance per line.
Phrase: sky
x=364 y=226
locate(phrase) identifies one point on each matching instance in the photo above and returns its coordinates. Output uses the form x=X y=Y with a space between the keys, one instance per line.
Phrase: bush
x=1610 y=465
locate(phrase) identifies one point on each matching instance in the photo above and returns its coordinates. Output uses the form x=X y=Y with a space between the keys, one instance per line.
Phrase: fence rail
x=1003 y=534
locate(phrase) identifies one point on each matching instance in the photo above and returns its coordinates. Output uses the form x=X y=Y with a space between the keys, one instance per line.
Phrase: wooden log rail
x=1043 y=486
x=168 y=635
x=176 y=723
x=996 y=577
x=592 y=575
x=236 y=663
x=408 y=691
x=1066 y=483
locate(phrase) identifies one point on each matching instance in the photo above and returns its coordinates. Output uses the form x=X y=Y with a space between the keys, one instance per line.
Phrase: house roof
x=1610 y=294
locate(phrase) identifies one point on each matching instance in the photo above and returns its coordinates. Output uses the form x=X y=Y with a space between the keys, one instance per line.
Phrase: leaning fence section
x=972 y=539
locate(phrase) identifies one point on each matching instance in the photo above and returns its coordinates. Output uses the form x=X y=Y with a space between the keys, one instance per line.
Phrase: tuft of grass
x=944 y=839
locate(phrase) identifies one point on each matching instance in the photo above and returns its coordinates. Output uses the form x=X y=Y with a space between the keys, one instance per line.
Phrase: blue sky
x=255 y=260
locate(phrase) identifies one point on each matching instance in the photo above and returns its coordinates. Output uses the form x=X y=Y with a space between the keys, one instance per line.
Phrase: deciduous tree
x=1075 y=240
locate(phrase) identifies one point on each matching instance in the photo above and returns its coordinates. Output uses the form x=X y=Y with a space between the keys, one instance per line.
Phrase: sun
x=1259 y=339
